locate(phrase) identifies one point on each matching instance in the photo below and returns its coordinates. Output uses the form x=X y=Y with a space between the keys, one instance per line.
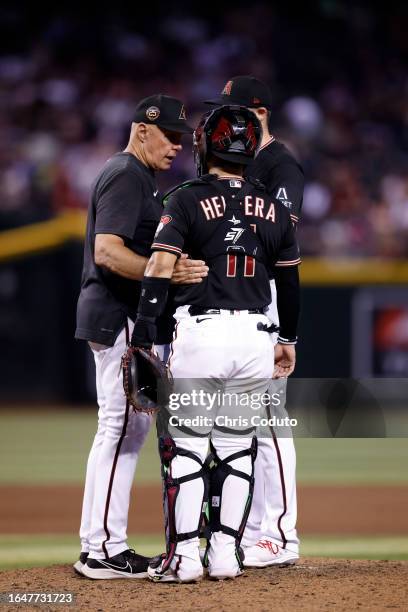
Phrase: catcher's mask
x=232 y=133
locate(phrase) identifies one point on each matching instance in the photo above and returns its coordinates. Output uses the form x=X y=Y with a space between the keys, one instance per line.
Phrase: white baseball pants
x=113 y=456
x=226 y=348
x=274 y=506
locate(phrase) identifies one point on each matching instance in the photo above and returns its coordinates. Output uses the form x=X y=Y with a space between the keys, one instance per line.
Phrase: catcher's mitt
x=145 y=380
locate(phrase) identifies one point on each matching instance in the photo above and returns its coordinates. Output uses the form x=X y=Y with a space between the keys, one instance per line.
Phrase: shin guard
x=171 y=488
x=219 y=472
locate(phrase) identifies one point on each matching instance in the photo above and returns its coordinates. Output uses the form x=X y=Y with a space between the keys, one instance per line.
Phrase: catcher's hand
x=144 y=332
x=145 y=380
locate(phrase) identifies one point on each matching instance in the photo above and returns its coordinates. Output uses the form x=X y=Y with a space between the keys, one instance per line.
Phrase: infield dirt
x=331 y=510
x=314 y=584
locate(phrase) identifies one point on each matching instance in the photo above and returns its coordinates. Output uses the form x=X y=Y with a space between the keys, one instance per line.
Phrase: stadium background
x=69 y=81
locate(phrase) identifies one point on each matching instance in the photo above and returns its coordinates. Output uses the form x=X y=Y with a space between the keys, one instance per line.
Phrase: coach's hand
x=189 y=271
x=285 y=360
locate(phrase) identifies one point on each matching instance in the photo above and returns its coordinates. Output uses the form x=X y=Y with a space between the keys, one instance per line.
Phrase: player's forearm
x=288 y=302
x=153 y=297
x=121 y=261
x=161 y=265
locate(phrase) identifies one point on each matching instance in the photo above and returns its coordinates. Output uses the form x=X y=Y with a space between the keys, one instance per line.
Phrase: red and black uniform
x=241 y=233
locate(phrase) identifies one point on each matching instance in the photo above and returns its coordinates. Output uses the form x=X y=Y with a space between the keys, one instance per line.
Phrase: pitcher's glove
x=145 y=380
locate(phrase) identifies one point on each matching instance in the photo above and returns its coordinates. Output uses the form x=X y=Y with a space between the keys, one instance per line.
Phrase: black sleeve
x=288 y=302
x=286 y=183
x=173 y=227
x=119 y=205
x=289 y=254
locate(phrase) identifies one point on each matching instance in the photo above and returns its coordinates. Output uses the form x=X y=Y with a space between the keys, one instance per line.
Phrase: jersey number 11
x=249 y=266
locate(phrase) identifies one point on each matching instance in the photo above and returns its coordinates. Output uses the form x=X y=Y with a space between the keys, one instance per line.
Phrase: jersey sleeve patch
x=164 y=220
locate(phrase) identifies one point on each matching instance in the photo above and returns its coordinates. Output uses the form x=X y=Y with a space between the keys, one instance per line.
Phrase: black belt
x=198 y=310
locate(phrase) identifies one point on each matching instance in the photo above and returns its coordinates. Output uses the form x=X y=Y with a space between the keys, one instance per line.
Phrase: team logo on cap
x=152 y=113
x=183 y=113
x=227 y=89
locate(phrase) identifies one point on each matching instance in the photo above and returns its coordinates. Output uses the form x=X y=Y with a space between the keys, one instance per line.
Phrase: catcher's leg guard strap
x=219 y=474
x=171 y=489
x=205 y=515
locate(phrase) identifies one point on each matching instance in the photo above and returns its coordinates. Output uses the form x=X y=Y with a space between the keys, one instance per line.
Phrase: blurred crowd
x=338 y=72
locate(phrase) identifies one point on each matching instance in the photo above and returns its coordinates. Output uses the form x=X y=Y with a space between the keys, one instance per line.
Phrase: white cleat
x=217 y=573
x=266 y=553
x=181 y=570
x=223 y=563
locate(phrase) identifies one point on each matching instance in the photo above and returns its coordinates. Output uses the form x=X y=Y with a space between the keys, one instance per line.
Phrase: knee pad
x=219 y=472
x=171 y=488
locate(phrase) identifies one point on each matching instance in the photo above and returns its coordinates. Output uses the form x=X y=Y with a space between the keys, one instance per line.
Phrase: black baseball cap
x=165 y=112
x=245 y=91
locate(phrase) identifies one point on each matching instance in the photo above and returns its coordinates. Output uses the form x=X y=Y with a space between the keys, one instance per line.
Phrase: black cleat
x=127 y=564
x=80 y=563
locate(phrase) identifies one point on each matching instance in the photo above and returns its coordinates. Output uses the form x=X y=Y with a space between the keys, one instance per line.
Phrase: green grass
x=52 y=447
x=356 y=547
x=352 y=461
x=40 y=550
x=35 y=551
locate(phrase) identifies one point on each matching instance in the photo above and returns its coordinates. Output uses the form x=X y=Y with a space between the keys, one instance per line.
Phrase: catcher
x=221 y=333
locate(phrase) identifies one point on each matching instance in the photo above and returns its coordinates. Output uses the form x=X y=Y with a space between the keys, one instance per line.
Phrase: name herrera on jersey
x=255 y=420
x=214 y=208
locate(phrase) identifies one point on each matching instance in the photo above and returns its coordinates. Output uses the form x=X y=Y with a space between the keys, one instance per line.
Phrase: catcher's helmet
x=232 y=133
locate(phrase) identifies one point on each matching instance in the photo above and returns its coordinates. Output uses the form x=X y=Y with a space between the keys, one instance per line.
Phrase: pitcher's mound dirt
x=314 y=584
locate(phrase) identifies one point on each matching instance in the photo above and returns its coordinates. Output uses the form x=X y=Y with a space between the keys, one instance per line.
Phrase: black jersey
x=281 y=174
x=125 y=203
x=238 y=230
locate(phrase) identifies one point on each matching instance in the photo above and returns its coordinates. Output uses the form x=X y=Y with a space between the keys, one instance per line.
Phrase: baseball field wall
x=351 y=311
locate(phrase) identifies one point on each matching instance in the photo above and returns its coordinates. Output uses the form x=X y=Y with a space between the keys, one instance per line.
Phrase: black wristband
x=153 y=296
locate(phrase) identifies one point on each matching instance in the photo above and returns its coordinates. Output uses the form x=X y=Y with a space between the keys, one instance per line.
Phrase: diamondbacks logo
x=152 y=113
x=227 y=89
x=183 y=113
x=165 y=219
